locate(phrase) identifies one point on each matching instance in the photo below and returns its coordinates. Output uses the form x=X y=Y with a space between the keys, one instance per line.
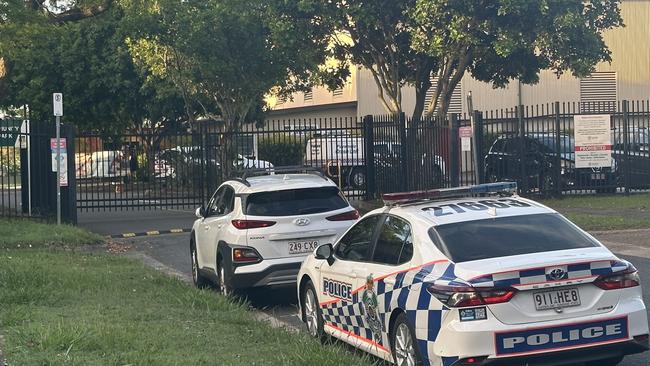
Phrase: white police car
x=474 y=276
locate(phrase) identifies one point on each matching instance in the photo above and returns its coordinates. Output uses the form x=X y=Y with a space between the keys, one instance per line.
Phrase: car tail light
x=251 y=224
x=465 y=296
x=346 y=216
x=615 y=281
x=245 y=255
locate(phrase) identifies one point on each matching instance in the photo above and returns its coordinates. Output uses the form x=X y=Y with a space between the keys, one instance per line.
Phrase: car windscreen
x=567 y=144
x=295 y=202
x=506 y=236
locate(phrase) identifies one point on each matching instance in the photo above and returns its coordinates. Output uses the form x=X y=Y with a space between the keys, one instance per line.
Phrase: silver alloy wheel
x=311 y=312
x=404 y=349
x=195 y=266
x=222 y=283
x=358 y=179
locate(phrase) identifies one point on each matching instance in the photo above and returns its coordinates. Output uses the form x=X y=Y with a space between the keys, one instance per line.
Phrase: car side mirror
x=200 y=212
x=325 y=252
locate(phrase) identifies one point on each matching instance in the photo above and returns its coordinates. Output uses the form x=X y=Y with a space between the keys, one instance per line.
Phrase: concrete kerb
x=259 y=315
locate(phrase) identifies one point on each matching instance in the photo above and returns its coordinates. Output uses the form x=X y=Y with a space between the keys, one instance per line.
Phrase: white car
x=256 y=231
x=489 y=279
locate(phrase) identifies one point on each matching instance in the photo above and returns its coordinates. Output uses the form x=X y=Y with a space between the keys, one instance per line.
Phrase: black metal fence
x=179 y=169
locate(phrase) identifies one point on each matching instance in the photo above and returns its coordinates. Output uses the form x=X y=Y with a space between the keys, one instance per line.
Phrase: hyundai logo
x=557 y=274
x=303 y=221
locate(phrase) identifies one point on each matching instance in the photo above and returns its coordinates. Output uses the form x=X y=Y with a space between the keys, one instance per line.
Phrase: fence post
x=404 y=152
x=478 y=147
x=626 y=147
x=558 y=152
x=69 y=205
x=521 y=151
x=369 y=153
x=454 y=150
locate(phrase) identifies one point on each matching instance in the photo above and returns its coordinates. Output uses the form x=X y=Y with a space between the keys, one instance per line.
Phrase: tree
x=228 y=54
x=500 y=40
x=225 y=55
x=376 y=35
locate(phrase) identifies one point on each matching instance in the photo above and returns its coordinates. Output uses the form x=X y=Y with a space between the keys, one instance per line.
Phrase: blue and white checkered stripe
x=540 y=275
x=402 y=290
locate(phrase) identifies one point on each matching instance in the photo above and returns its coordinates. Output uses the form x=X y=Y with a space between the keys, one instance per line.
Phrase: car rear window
x=506 y=236
x=295 y=202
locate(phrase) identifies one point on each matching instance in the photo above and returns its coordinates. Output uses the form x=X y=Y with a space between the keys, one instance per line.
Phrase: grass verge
x=17 y=233
x=65 y=308
x=600 y=213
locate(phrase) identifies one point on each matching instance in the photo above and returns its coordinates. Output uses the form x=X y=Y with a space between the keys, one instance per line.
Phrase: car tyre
x=312 y=313
x=197 y=278
x=358 y=178
x=606 y=362
x=224 y=280
x=404 y=345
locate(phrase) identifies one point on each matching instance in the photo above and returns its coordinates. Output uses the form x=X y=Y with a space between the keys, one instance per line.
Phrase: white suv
x=256 y=231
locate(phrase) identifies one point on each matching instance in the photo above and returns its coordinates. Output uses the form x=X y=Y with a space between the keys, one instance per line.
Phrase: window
x=222 y=202
x=295 y=202
x=354 y=246
x=395 y=243
x=507 y=236
x=337 y=92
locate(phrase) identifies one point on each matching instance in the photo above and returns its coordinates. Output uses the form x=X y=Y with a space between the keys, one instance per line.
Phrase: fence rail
x=181 y=168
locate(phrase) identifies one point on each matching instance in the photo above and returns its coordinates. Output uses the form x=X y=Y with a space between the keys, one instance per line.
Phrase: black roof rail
x=295 y=169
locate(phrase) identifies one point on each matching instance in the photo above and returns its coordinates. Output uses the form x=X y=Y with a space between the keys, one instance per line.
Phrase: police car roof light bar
x=504 y=188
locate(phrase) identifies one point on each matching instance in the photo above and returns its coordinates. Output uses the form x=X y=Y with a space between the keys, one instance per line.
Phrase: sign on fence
x=593 y=141
x=465 y=134
x=10 y=129
x=63 y=153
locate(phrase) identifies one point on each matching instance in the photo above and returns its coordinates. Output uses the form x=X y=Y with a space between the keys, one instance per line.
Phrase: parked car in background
x=636 y=163
x=504 y=162
x=348 y=153
x=101 y=164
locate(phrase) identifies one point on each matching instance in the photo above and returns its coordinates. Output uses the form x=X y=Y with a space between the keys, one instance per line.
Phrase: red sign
x=62 y=145
x=465 y=132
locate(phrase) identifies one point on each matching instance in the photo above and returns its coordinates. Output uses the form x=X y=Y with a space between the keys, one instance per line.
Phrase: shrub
x=280 y=152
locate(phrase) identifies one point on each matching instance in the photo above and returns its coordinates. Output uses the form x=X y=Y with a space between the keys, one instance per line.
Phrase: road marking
x=148 y=233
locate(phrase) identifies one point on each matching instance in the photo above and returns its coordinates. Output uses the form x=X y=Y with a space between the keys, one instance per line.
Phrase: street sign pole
x=58 y=170
x=28 y=130
x=58 y=112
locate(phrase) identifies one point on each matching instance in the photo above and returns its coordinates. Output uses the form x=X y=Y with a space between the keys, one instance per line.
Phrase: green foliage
x=281 y=150
x=500 y=40
x=227 y=55
x=9 y=161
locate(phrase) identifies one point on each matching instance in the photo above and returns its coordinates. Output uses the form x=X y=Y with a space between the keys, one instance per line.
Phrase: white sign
x=465 y=138
x=63 y=154
x=593 y=141
x=58 y=104
x=21 y=141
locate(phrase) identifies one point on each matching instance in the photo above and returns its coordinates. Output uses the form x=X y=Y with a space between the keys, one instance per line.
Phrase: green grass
x=639 y=201
x=21 y=233
x=66 y=308
x=605 y=223
x=610 y=212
